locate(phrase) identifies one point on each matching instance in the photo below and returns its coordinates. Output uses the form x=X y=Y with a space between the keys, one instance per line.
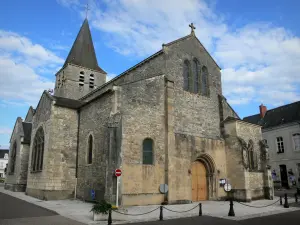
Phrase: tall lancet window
x=196 y=75
x=13 y=158
x=187 y=81
x=37 y=156
x=90 y=150
x=204 y=81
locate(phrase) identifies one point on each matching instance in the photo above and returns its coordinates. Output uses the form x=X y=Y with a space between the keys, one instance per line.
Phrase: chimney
x=262 y=110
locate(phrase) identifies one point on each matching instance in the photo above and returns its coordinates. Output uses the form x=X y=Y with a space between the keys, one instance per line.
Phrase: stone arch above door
x=211 y=177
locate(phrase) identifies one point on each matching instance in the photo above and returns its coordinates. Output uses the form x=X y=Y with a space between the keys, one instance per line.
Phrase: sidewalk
x=80 y=211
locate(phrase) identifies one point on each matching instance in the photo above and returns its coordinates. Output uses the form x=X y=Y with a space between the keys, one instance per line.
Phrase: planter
x=114 y=216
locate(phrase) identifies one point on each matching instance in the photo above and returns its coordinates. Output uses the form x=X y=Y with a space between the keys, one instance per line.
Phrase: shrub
x=101 y=207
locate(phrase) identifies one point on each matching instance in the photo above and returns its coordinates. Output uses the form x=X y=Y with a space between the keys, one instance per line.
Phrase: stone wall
x=194 y=113
x=143 y=117
x=93 y=121
x=36 y=182
x=256 y=185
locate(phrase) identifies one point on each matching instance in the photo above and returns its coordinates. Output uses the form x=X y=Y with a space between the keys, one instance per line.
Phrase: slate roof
x=277 y=116
x=2 y=153
x=67 y=102
x=27 y=127
x=82 y=52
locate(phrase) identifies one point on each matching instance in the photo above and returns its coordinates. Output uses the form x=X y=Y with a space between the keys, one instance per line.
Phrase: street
x=14 y=211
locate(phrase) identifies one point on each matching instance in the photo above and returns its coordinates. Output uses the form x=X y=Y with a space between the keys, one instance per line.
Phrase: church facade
x=162 y=122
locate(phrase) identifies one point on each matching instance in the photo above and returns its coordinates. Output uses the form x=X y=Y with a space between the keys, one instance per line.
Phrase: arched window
x=90 y=150
x=13 y=158
x=148 y=151
x=196 y=75
x=186 y=75
x=251 y=155
x=37 y=156
x=204 y=81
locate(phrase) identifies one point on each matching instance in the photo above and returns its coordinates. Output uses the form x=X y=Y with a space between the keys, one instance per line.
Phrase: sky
x=256 y=43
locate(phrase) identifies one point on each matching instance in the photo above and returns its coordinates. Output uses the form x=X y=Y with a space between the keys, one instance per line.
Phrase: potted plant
x=101 y=209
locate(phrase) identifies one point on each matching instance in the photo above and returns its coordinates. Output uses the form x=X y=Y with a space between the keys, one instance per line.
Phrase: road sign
x=93 y=194
x=163 y=188
x=118 y=172
x=227 y=187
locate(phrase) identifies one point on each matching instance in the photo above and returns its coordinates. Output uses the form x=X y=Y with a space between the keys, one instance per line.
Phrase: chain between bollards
x=280 y=198
x=161 y=217
x=231 y=211
x=109 y=217
x=286 y=204
x=200 y=209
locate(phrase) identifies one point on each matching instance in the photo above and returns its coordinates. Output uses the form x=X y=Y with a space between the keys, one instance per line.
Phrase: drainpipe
x=76 y=169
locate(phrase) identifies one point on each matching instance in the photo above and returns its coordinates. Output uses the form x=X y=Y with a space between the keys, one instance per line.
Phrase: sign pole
x=117 y=196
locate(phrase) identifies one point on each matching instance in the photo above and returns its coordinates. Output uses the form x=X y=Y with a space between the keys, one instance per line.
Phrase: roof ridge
x=283 y=106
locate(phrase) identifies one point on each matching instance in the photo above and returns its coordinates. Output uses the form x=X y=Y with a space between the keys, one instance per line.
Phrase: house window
x=280 y=147
x=196 y=75
x=90 y=150
x=186 y=75
x=13 y=159
x=204 y=81
x=148 y=151
x=296 y=139
x=37 y=156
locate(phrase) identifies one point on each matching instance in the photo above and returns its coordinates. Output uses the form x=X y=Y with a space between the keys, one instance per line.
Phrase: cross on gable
x=192 y=27
x=87 y=10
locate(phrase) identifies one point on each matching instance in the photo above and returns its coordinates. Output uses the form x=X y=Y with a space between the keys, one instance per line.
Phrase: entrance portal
x=199 y=182
x=283 y=176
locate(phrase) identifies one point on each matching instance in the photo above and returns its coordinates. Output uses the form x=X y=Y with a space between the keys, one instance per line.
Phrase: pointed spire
x=82 y=52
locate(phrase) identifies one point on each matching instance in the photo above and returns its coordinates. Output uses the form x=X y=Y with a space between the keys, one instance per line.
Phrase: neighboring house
x=163 y=121
x=281 y=131
x=3 y=161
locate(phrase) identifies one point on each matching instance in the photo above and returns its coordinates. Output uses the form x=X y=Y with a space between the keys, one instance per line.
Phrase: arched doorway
x=199 y=182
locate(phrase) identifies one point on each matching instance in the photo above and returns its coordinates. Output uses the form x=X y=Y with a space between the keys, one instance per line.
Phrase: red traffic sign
x=118 y=172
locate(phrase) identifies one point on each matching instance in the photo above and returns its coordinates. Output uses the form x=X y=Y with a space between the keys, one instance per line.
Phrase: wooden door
x=199 y=184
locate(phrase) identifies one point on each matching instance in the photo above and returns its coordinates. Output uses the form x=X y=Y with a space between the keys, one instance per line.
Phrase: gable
x=18 y=129
x=188 y=43
x=29 y=114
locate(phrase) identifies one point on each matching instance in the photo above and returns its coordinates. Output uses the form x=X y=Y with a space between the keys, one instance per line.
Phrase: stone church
x=162 y=122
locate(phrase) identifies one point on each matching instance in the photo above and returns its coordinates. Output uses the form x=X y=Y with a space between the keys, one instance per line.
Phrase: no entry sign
x=118 y=172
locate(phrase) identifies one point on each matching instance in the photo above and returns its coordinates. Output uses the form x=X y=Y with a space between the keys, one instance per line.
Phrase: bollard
x=161 y=217
x=296 y=198
x=200 y=209
x=280 y=198
x=286 y=204
x=109 y=217
x=231 y=211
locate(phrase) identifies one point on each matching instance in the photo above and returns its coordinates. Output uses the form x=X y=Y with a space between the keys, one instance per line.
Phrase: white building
x=281 y=130
x=3 y=161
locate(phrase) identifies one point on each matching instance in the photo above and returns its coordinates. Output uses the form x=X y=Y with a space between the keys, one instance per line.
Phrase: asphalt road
x=14 y=211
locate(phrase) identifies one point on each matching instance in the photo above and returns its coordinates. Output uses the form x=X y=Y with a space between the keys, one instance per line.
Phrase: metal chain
x=258 y=206
x=181 y=211
x=135 y=214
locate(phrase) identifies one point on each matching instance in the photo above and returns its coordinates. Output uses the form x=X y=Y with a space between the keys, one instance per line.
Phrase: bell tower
x=80 y=73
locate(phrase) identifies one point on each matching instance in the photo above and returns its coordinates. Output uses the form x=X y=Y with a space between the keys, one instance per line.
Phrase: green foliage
x=101 y=207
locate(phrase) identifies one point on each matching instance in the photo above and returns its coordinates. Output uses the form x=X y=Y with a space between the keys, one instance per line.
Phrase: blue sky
x=256 y=43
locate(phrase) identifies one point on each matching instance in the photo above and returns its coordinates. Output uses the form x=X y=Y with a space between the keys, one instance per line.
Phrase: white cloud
x=21 y=63
x=110 y=76
x=260 y=62
x=5 y=130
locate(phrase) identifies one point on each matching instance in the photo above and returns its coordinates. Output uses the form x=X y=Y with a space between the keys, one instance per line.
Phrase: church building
x=164 y=123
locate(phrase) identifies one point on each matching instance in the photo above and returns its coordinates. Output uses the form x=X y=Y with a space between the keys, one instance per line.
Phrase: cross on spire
x=86 y=10
x=192 y=28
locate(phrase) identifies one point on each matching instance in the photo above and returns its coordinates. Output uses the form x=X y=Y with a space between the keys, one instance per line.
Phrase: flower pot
x=114 y=216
